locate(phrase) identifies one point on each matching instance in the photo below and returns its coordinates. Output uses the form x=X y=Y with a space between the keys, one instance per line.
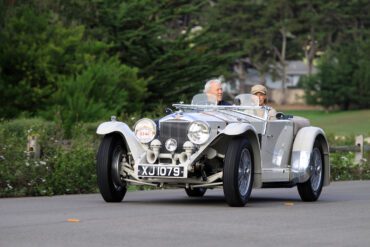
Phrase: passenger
x=214 y=87
x=261 y=92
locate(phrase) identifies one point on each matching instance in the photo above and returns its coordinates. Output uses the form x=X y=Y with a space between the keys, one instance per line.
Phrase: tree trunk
x=242 y=75
x=310 y=51
x=283 y=65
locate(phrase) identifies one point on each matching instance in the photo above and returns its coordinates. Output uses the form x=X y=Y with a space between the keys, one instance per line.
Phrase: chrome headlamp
x=145 y=130
x=198 y=132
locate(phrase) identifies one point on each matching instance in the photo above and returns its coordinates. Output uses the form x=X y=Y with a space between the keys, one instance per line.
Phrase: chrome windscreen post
x=266 y=110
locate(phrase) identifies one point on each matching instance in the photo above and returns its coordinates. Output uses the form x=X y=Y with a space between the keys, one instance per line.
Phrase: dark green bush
x=64 y=166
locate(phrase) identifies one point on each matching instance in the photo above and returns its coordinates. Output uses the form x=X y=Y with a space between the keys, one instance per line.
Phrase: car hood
x=207 y=116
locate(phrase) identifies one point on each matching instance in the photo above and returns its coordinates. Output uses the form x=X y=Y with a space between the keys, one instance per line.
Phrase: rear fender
x=301 y=153
x=133 y=144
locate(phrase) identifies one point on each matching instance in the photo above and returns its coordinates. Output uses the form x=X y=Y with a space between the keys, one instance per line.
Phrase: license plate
x=161 y=171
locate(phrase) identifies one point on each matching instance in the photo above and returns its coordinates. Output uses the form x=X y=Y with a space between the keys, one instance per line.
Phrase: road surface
x=273 y=217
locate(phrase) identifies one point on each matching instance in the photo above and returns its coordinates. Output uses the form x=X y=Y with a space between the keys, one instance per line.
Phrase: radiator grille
x=176 y=130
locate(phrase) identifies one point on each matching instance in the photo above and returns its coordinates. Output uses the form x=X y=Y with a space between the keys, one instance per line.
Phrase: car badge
x=178 y=116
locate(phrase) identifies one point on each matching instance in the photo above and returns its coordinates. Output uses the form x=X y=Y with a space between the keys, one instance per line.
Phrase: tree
x=257 y=30
x=341 y=31
x=324 y=24
x=343 y=79
x=239 y=28
x=283 y=24
x=165 y=40
x=35 y=50
x=40 y=56
x=103 y=89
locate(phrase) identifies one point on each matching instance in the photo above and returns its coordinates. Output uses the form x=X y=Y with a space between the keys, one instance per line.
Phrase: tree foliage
x=343 y=79
x=32 y=61
x=54 y=54
x=49 y=66
x=161 y=38
x=103 y=89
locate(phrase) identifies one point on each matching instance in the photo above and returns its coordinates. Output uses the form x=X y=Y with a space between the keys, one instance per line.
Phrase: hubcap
x=244 y=172
x=116 y=167
x=316 y=172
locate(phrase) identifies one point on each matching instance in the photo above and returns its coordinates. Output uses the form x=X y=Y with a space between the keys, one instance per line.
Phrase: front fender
x=132 y=142
x=301 y=153
x=235 y=129
x=247 y=130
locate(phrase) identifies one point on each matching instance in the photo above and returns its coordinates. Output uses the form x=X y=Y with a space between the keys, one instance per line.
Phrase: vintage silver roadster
x=203 y=146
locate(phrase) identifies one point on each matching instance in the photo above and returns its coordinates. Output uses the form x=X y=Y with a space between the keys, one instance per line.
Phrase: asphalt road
x=273 y=217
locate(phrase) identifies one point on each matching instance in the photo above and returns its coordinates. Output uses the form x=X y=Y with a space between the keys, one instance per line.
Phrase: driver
x=214 y=87
x=261 y=92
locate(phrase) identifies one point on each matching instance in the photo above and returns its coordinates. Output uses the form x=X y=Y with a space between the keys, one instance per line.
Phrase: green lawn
x=342 y=123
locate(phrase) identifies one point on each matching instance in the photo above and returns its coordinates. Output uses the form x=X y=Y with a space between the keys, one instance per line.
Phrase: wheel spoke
x=244 y=171
x=316 y=164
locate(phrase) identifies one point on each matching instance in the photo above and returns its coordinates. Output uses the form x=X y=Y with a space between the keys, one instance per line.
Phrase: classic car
x=203 y=145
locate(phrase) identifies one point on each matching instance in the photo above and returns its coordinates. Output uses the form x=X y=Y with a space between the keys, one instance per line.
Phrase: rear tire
x=195 y=192
x=238 y=173
x=109 y=158
x=310 y=190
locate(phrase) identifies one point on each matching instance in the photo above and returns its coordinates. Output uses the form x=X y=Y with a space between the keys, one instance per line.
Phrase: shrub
x=104 y=88
x=64 y=166
x=344 y=168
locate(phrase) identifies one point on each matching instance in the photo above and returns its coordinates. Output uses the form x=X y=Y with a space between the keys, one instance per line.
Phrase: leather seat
x=298 y=123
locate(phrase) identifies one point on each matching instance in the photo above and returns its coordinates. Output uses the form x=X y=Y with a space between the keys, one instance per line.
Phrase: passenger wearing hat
x=261 y=92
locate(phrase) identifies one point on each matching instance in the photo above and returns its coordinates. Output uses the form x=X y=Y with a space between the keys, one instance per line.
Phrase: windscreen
x=247 y=100
x=204 y=99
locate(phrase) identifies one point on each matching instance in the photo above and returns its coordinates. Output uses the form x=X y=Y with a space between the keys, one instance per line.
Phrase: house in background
x=293 y=94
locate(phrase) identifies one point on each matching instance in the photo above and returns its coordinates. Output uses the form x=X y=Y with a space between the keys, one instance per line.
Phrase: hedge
x=64 y=167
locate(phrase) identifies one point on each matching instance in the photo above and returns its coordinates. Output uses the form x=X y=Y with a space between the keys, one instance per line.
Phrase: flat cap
x=258 y=89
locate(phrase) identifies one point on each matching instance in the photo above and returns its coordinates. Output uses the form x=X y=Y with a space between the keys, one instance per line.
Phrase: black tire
x=195 y=192
x=238 y=173
x=310 y=190
x=107 y=166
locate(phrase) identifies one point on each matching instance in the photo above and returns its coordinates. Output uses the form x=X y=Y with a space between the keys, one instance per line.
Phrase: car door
x=276 y=146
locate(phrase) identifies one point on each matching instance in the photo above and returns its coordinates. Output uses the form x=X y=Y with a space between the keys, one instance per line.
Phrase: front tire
x=238 y=173
x=310 y=190
x=108 y=165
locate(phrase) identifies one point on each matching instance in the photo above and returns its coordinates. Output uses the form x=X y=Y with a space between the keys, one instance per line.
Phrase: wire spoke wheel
x=238 y=173
x=244 y=172
x=316 y=169
x=311 y=189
